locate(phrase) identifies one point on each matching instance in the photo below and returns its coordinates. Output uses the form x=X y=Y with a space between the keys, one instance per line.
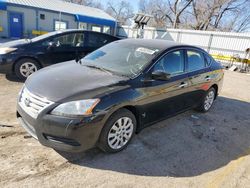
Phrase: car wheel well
x=26 y=57
x=134 y=111
x=216 y=89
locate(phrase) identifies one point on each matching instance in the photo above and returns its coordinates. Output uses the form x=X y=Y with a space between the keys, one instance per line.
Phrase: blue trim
x=92 y=20
x=3 y=5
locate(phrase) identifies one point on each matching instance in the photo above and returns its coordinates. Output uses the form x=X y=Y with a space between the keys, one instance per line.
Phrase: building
x=28 y=18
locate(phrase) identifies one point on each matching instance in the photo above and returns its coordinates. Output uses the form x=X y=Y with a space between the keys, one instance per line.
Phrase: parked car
x=116 y=91
x=26 y=56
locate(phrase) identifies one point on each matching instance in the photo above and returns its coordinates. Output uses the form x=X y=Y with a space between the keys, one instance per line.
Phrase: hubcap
x=120 y=133
x=27 y=69
x=209 y=100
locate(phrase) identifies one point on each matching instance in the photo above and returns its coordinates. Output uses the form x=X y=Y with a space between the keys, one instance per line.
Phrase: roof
x=64 y=7
x=159 y=44
x=153 y=43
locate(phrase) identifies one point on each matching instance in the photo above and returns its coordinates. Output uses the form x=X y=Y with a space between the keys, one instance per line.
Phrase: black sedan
x=26 y=56
x=116 y=91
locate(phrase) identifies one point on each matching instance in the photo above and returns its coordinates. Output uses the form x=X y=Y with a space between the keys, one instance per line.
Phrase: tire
x=207 y=101
x=25 y=67
x=115 y=138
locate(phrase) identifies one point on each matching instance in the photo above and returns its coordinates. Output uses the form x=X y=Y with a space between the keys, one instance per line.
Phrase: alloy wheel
x=120 y=133
x=28 y=68
x=209 y=100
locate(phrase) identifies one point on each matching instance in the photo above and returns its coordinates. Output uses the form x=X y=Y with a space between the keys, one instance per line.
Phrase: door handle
x=208 y=78
x=183 y=84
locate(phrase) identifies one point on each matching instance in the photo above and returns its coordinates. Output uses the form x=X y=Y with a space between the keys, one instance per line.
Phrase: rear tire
x=207 y=101
x=25 y=67
x=118 y=131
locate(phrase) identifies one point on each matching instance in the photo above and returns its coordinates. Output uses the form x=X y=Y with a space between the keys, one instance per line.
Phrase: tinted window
x=98 y=40
x=68 y=40
x=172 y=63
x=195 y=60
x=208 y=59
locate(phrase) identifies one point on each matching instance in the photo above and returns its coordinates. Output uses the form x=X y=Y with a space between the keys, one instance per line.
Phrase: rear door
x=198 y=74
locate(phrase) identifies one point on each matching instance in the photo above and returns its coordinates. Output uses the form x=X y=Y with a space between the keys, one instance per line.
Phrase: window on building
x=106 y=29
x=42 y=16
x=96 y=28
x=82 y=25
x=60 y=25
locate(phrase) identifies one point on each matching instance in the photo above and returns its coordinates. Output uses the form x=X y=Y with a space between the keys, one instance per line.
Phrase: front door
x=16 y=25
x=165 y=98
x=67 y=47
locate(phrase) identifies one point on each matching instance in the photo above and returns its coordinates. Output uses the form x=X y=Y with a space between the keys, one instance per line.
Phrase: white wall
x=225 y=43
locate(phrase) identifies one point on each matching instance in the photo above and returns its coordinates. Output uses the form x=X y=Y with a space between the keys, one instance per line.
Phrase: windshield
x=121 y=58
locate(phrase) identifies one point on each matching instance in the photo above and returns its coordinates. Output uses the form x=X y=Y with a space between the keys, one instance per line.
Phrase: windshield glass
x=121 y=58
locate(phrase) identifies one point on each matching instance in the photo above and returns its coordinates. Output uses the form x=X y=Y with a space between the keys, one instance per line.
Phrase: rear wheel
x=207 y=101
x=118 y=131
x=25 y=67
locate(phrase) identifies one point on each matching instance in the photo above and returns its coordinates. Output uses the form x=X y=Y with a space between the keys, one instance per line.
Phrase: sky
x=134 y=3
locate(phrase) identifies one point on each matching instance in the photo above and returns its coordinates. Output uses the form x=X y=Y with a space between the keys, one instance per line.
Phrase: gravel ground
x=189 y=150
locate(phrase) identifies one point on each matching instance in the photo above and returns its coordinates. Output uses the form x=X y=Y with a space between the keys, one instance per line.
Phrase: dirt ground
x=189 y=150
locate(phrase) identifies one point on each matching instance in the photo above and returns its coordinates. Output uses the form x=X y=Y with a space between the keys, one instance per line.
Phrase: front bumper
x=60 y=133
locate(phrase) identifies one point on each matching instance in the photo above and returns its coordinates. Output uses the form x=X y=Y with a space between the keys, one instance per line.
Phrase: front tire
x=118 y=131
x=207 y=101
x=25 y=67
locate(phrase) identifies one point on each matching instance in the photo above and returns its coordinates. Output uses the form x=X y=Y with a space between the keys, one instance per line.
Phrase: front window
x=172 y=63
x=67 y=40
x=121 y=58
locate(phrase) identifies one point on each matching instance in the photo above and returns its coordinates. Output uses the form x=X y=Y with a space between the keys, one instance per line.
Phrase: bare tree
x=219 y=14
x=165 y=12
x=177 y=7
x=121 y=10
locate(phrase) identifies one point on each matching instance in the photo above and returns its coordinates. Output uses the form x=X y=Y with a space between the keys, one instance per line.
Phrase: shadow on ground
x=186 y=145
x=13 y=78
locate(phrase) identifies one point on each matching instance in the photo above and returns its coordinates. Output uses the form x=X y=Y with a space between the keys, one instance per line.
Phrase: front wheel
x=25 y=67
x=118 y=131
x=207 y=101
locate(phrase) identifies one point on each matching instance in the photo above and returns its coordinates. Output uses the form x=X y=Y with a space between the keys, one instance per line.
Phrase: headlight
x=6 y=50
x=76 y=108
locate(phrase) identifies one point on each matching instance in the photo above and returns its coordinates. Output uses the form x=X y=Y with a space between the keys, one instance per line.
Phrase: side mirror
x=160 y=75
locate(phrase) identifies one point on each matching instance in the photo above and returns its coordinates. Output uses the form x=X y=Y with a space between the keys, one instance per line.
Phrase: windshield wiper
x=99 y=68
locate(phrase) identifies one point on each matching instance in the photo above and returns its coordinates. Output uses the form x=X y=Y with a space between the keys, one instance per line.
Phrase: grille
x=32 y=104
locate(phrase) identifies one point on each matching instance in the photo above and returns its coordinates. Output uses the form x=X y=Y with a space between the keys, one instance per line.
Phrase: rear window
x=99 y=40
x=195 y=60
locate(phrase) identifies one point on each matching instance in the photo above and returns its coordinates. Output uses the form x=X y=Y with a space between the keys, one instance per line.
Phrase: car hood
x=15 y=43
x=69 y=79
